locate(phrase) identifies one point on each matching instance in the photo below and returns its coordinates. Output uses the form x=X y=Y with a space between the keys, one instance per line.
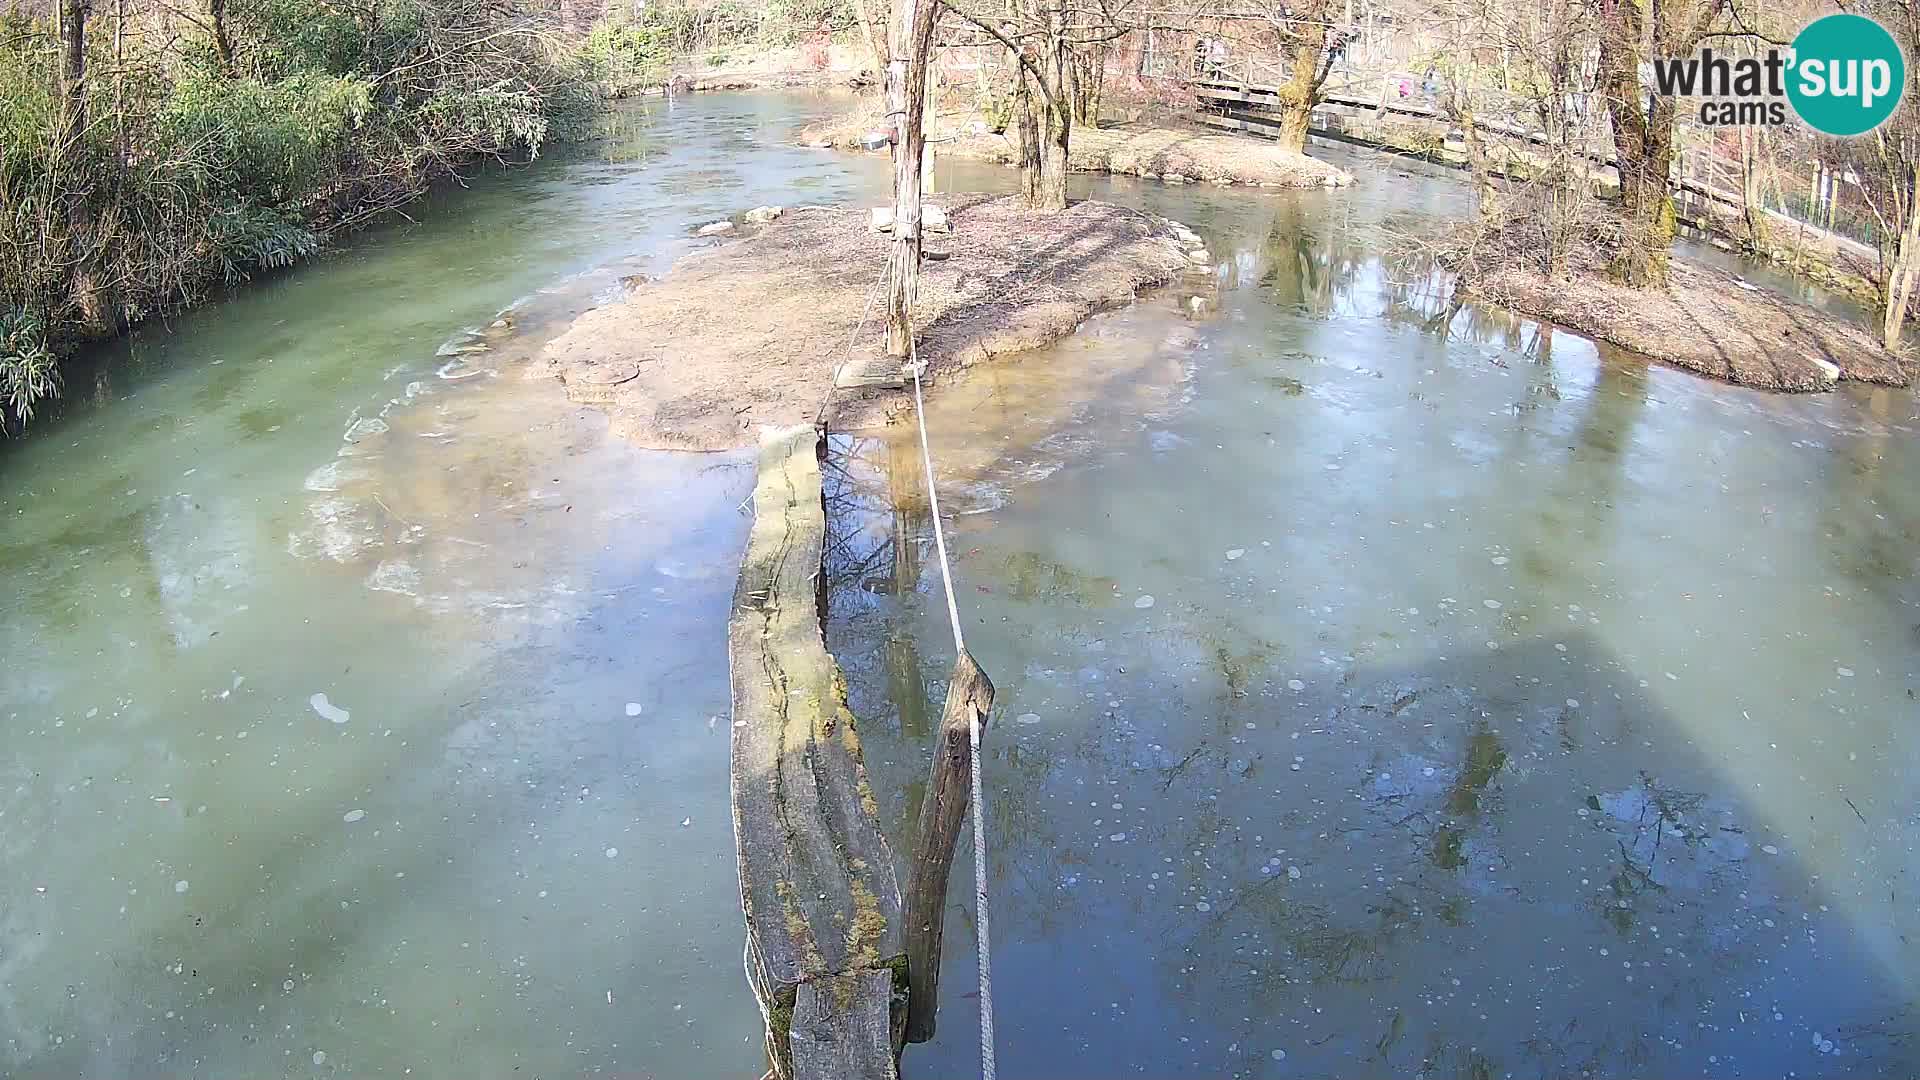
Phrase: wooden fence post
x=942 y=810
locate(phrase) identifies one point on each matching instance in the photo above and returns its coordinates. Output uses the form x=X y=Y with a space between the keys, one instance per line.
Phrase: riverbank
x=815 y=67
x=1707 y=321
x=229 y=157
x=749 y=333
x=1173 y=153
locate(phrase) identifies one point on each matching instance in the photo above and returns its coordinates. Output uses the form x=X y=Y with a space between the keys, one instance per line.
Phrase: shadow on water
x=1511 y=863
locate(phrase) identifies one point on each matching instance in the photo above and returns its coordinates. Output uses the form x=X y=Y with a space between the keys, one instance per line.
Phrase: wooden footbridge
x=1234 y=99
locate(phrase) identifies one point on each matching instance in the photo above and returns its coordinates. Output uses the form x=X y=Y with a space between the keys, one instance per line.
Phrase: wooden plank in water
x=816 y=876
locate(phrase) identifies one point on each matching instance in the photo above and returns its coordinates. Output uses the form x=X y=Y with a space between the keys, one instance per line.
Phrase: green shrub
x=272 y=141
x=624 y=56
x=248 y=238
x=28 y=374
x=192 y=172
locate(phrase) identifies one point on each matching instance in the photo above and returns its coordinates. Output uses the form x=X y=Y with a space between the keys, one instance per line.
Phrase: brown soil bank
x=749 y=333
x=1707 y=321
x=1176 y=155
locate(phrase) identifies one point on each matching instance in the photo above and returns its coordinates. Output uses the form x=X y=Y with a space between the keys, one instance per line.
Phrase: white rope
x=981 y=939
x=933 y=501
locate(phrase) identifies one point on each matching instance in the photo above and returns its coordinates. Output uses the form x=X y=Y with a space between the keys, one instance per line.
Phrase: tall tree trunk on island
x=911 y=42
x=1052 y=190
x=1643 y=126
x=1301 y=92
x=1042 y=96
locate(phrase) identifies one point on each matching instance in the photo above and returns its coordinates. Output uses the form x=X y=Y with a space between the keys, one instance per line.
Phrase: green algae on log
x=824 y=946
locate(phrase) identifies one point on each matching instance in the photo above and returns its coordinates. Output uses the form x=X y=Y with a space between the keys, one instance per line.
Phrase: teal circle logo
x=1848 y=74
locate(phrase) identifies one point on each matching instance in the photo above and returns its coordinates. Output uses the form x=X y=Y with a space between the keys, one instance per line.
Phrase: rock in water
x=715 y=228
x=760 y=215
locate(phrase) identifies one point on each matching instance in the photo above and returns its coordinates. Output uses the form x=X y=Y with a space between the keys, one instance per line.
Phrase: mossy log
x=824 y=944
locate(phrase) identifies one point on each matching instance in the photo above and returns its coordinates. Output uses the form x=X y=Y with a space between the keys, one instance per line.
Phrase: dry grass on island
x=748 y=333
x=1707 y=321
x=1173 y=153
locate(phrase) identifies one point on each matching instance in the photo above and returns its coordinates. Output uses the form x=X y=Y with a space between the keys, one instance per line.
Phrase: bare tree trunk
x=872 y=37
x=120 y=81
x=1052 y=193
x=943 y=809
x=71 y=17
x=223 y=41
x=911 y=42
x=1075 y=87
x=1752 y=199
x=1643 y=152
x=1097 y=90
x=1052 y=190
x=1906 y=265
x=1302 y=90
x=1028 y=121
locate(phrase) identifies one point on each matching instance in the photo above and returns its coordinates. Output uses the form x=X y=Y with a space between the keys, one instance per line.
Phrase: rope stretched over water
x=987 y=1066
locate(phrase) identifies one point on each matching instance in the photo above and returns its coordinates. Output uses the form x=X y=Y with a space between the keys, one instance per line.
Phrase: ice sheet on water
x=334 y=475
x=395 y=576
x=365 y=428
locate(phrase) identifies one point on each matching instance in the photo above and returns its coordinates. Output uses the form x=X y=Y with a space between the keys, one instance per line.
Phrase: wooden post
x=969 y=693
x=911 y=39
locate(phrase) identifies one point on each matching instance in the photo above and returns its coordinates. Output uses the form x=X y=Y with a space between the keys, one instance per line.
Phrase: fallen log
x=824 y=946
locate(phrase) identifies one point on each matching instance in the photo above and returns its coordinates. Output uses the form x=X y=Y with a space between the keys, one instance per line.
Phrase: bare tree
x=1059 y=61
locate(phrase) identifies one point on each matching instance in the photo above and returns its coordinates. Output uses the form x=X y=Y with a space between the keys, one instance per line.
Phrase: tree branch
x=1026 y=62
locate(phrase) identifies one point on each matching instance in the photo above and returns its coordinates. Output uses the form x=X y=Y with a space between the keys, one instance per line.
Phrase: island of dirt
x=1707 y=321
x=750 y=332
x=1176 y=154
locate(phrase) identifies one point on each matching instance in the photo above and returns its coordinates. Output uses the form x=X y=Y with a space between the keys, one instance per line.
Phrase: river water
x=1383 y=689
